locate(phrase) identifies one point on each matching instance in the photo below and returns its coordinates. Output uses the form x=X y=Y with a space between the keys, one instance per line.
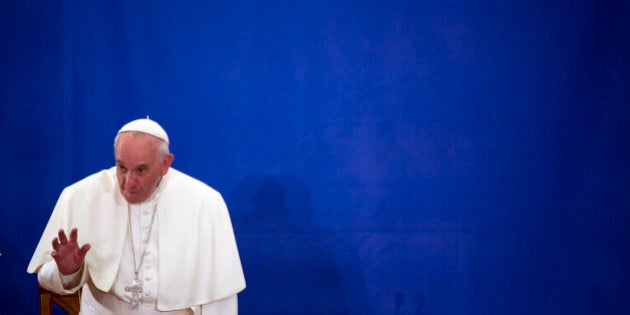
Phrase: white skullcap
x=145 y=125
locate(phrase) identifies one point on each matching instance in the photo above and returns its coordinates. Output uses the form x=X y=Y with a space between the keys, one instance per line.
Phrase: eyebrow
x=120 y=163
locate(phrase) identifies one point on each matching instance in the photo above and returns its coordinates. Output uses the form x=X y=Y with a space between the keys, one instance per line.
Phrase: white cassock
x=190 y=261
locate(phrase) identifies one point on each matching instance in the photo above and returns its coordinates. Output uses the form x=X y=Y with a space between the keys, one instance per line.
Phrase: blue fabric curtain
x=382 y=157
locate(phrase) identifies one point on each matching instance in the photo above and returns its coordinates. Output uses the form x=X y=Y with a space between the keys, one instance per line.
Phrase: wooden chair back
x=69 y=303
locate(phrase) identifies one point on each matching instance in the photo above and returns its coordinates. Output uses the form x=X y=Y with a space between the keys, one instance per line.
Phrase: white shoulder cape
x=198 y=258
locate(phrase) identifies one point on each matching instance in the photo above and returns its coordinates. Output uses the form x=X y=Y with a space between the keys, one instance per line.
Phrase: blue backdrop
x=377 y=157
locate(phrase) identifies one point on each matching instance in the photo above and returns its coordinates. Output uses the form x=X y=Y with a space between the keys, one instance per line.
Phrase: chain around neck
x=136 y=267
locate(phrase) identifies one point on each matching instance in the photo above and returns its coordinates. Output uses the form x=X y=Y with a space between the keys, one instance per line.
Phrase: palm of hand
x=67 y=253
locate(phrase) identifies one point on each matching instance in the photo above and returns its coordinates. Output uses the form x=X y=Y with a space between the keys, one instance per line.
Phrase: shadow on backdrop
x=289 y=264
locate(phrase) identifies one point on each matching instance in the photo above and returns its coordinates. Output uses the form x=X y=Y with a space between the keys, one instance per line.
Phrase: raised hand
x=67 y=253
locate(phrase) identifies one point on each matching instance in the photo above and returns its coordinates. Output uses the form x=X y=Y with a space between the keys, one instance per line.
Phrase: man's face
x=139 y=166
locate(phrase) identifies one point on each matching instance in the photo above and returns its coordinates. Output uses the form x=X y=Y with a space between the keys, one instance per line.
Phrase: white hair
x=162 y=150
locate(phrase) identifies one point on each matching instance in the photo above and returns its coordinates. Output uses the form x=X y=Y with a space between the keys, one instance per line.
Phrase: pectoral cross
x=136 y=293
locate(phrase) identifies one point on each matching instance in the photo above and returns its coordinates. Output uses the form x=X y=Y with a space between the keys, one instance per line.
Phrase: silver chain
x=136 y=268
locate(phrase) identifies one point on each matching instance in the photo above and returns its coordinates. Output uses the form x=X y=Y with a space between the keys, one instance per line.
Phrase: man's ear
x=166 y=163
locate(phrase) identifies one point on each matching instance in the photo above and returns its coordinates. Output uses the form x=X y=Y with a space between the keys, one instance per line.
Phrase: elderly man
x=143 y=237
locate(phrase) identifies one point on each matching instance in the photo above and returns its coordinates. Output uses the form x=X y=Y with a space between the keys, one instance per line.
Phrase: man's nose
x=130 y=178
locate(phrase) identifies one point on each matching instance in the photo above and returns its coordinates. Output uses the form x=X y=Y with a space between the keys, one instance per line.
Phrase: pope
x=141 y=237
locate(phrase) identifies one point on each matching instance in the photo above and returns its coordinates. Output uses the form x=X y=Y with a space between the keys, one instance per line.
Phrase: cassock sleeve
x=50 y=278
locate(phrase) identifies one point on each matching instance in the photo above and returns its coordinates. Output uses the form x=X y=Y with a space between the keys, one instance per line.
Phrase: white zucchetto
x=145 y=125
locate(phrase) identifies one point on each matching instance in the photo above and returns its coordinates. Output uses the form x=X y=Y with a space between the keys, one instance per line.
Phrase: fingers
x=83 y=250
x=73 y=235
x=61 y=242
x=55 y=243
x=62 y=237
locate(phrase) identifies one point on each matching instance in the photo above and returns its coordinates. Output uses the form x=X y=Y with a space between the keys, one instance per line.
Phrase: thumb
x=83 y=250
